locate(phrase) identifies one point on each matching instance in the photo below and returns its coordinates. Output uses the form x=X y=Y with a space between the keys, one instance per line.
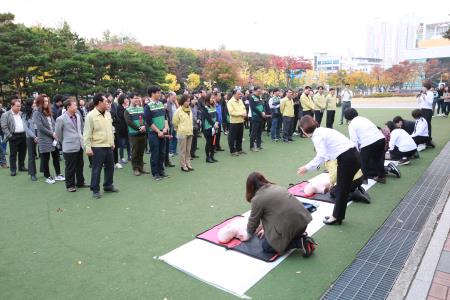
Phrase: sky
x=278 y=27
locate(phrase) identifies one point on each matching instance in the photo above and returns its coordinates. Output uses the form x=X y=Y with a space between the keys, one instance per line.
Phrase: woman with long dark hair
x=47 y=139
x=276 y=216
x=331 y=144
x=209 y=127
x=32 y=139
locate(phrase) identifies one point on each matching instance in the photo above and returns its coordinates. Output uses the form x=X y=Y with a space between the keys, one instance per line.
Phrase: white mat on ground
x=230 y=270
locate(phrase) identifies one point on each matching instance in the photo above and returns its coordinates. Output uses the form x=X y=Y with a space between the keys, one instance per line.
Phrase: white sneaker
x=123 y=161
x=50 y=180
x=60 y=178
x=118 y=166
x=421 y=147
x=171 y=154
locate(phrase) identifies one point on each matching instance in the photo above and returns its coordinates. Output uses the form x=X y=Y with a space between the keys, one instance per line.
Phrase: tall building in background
x=380 y=41
x=413 y=39
x=406 y=36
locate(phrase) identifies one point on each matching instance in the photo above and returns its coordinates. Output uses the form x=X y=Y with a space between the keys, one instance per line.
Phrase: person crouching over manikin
x=324 y=184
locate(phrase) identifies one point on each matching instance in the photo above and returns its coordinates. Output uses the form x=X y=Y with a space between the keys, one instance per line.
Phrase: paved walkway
x=440 y=285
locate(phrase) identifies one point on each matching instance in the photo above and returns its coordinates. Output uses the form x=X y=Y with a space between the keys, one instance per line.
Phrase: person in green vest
x=158 y=128
x=258 y=116
x=209 y=127
x=134 y=118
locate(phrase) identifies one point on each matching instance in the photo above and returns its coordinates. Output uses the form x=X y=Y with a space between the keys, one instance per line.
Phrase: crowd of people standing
x=113 y=130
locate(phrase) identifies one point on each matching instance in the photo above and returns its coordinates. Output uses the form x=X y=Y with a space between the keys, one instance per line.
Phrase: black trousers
x=318 y=115
x=421 y=139
x=256 y=132
x=31 y=149
x=103 y=156
x=167 y=152
x=235 y=137
x=74 y=168
x=373 y=156
x=17 y=147
x=293 y=244
x=157 y=149
x=428 y=115
x=218 y=134
x=45 y=160
x=194 y=142
x=308 y=113
x=396 y=154
x=116 y=148
x=209 y=147
x=348 y=164
x=330 y=118
x=287 y=128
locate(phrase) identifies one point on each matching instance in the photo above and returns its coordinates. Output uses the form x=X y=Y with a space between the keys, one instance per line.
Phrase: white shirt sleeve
x=321 y=150
x=353 y=136
x=429 y=98
x=393 y=140
x=271 y=103
x=421 y=128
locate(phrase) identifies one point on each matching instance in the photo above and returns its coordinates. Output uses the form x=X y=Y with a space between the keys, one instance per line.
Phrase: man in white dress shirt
x=13 y=126
x=346 y=100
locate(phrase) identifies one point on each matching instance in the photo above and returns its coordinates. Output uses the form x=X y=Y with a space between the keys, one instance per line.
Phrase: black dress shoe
x=185 y=170
x=13 y=173
x=82 y=186
x=219 y=149
x=195 y=156
x=33 y=178
x=209 y=160
x=23 y=169
x=96 y=195
x=334 y=222
x=213 y=159
x=170 y=165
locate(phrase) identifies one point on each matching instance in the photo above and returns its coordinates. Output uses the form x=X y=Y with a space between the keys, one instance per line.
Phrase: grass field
x=59 y=245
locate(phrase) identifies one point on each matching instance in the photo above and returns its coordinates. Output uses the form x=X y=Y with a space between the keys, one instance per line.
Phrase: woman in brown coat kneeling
x=276 y=216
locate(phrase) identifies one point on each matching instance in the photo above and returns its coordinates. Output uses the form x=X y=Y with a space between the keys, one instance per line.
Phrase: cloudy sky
x=279 y=26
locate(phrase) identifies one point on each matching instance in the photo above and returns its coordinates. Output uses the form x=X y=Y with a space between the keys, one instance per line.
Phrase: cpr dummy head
x=235 y=229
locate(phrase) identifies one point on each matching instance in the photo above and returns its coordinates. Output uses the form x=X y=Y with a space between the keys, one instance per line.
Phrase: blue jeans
x=157 y=147
x=173 y=142
x=124 y=142
x=2 y=152
x=276 y=126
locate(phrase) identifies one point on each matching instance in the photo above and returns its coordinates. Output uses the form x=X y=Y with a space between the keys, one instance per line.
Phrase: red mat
x=252 y=247
x=298 y=190
x=210 y=235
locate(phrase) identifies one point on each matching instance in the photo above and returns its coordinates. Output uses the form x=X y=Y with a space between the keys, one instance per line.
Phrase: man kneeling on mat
x=328 y=183
x=277 y=217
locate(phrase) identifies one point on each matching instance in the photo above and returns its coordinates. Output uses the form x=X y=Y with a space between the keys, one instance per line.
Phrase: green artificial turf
x=59 y=245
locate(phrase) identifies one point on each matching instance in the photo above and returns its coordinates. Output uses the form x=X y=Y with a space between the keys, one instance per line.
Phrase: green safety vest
x=137 y=117
x=213 y=115
x=158 y=114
